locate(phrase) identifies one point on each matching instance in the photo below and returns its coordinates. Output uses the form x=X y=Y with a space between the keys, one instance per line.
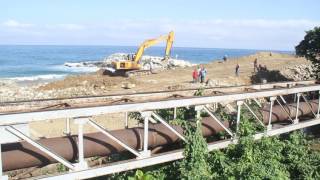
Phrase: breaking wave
x=38 y=77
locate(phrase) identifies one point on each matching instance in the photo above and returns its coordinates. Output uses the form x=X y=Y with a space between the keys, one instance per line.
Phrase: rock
x=212 y=83
x=84 y=83
x=149 y=62
x=175 y=87
x=94 y=86
x=298 y=72
x=128 y=85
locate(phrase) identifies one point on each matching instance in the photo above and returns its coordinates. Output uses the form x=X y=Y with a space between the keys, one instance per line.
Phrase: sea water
x=34 y=62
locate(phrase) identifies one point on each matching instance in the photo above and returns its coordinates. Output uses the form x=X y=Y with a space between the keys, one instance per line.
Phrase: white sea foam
x=78 y=67
x=37 y=77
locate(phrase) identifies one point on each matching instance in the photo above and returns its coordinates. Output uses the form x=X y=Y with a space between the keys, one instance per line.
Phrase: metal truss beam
x=44 y=149
x=168 y=126
x=171 y=156
x=105 y=132
x=218 y=121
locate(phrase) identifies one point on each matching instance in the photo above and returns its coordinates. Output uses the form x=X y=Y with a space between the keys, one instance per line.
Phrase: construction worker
x=255 y=65
x=237 y=69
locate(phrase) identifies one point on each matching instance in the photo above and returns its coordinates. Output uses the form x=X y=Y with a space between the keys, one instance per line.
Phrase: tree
x=309 y=48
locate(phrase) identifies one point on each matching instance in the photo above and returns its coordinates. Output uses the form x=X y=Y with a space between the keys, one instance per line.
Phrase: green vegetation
x=139 y=175
x=284 y=157
x=288 y=156
x=309 y=48
x=61 y=168
x=195 y=165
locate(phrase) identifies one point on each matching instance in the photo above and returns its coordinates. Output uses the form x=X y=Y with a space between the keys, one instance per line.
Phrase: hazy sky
x=250 y=24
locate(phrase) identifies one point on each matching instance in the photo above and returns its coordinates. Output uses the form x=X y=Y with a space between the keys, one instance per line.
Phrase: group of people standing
x=257 y=68
x=199 y=74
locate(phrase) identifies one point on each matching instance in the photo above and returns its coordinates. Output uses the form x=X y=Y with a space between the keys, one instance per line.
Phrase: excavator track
x=137 y=73
x=131 y=73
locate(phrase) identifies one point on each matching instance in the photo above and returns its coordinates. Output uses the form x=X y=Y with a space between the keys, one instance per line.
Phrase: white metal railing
x=7 y=119
x=82 y=117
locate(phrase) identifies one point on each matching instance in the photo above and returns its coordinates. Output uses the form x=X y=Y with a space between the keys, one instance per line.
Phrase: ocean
x=45 y=62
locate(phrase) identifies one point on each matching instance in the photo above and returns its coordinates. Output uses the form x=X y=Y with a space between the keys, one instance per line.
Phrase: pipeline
x=23 y=155
x=278 y=114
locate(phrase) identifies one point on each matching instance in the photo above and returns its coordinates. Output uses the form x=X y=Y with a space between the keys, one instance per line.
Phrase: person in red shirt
x=195 y=75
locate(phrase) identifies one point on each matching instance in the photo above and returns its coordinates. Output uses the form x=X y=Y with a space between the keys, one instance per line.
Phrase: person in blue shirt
x=202 y=74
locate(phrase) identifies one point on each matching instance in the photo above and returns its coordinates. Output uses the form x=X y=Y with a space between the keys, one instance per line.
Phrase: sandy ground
x=222 y=73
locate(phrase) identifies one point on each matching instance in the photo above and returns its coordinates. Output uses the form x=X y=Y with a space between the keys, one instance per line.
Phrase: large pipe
x=23 y=155
x=278 y=113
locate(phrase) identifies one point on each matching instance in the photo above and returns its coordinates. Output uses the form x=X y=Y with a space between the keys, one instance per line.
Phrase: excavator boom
x=169 y=45
x=146 y=44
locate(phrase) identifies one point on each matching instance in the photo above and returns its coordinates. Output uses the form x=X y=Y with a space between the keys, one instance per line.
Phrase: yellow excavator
x=131 y=66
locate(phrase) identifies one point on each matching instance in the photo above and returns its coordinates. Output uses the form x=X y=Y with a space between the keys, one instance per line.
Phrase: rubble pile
x=298 y=72
x=149 y=61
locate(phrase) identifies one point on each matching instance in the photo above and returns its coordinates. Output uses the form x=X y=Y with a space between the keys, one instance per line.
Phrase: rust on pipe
x=279 y=115
x=23 y=155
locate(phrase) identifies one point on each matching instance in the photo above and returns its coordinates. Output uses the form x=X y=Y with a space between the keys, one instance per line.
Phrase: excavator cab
x=130 y=57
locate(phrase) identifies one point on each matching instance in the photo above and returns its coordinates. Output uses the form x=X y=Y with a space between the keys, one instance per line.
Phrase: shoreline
x=90 y=66
x=219 y=73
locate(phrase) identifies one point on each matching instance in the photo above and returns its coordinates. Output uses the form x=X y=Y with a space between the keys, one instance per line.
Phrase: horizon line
x=196 y=47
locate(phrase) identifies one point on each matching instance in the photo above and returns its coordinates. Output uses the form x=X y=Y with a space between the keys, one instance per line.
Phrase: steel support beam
x=67 y=130
x=126 y=125
x=145 y=152
x=218 y=121
x=40 y=147
x=82 y=164
x=257 y=102
x=309 y=105
x=168 y=126
x=254 y=114
x=198 y=110
x=283 y=100
x=171 y=156
x=272 y=99
x=105 y=132
x=239 y=103
x=284 y=110
x=296 y=120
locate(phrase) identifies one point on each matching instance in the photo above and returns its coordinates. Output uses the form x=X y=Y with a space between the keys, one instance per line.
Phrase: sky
x=238 y=24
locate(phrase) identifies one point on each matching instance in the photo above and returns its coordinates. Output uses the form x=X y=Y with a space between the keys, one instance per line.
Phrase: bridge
x=286 y=107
